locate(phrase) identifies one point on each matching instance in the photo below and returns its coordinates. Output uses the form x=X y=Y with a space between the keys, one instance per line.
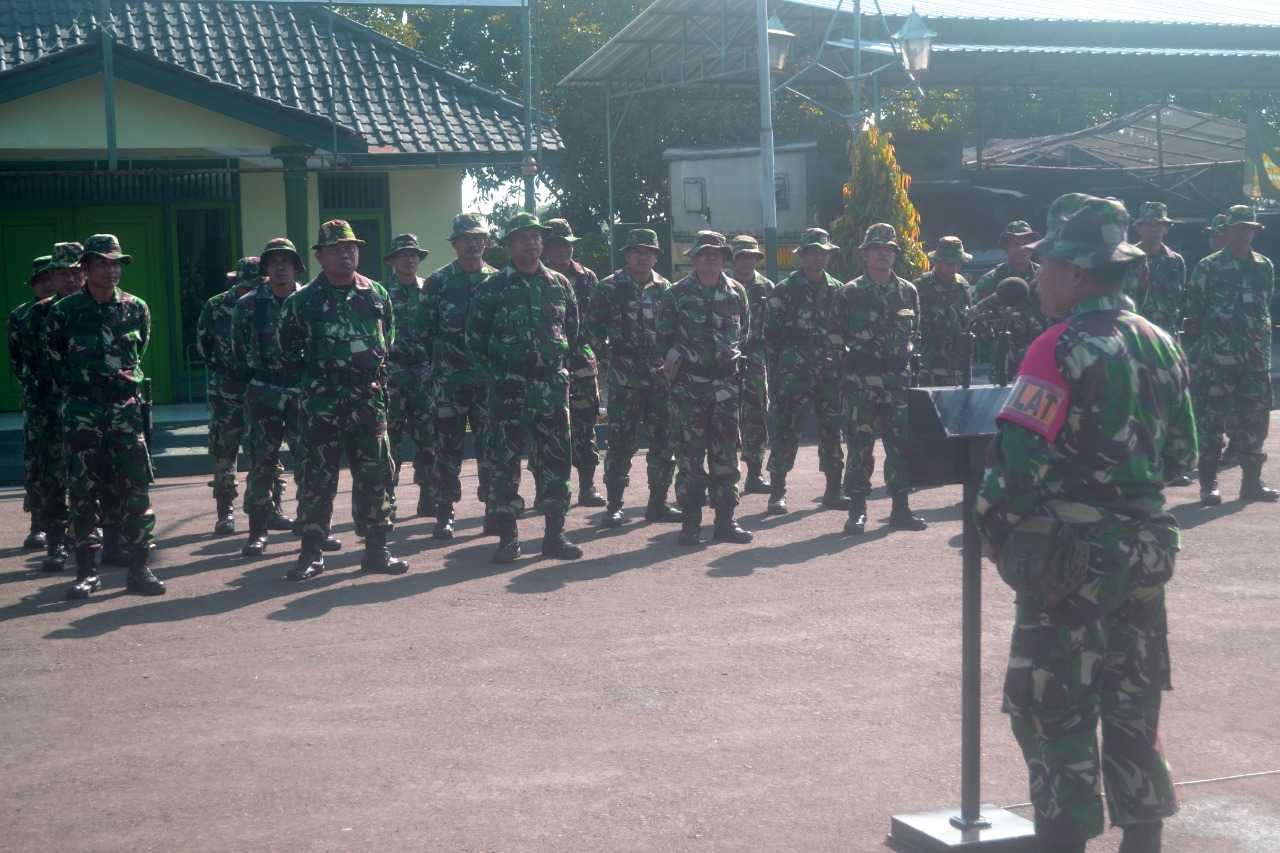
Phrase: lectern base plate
x=927 y=832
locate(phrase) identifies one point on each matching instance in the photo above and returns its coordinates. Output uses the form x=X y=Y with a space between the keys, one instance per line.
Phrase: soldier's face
x=879 y=258
x=103 y=274
x=814 y=261
x=339 y=260
x=558 y=253
x=66 y=281
x=525 y=247
x=946 y=270
x=470 y=247
x=708 y=263
x=1239 y=238
x=406 y=262
x=1016 y=248
x=1151 y=233
x=1216 y=241
x=744 y=265
x=640 y=261
x=42 y=286
x=280 y=271
x=1058 y=285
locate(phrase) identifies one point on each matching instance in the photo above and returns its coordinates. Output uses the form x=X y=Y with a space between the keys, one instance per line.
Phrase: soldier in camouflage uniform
x=1217 y=240
x=804 y=370
x=1228 y=315
x=753 y=373
x=1015 y=238
x=458 y=378
x=584 y=392
x=875 y=320
x=621 y=323
x=410 y=399
x=97 y=338
x=337 y=331
x=227 y=382
x=1098 y=421
x=1159 y=293
x=703 y=322
x=41 y=282
x=520 y=329
x=945 y=300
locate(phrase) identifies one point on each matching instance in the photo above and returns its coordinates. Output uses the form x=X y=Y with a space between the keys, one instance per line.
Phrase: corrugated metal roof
x=1247 y=12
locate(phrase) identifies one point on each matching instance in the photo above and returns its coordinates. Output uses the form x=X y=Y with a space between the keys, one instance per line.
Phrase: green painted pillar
x=295 y=194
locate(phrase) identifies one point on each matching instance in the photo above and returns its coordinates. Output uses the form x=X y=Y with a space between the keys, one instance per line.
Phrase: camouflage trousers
x=226 y=433
x=106 y=455
x=752 y=406
x=708 y=451
x=351 y=419
x=936 y=377
x=49 y=506
x=274 y=418
x=631 y=409
x=538 y=411
x=869 y=411
x=456 y=407
x=792 y=398
x=29 y=444
x=584 y=414
x=1245 y=398
x=1100 y=654
x=411 y=412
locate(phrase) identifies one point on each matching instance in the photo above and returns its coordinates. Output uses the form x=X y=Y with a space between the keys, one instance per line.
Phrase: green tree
x=876 y=192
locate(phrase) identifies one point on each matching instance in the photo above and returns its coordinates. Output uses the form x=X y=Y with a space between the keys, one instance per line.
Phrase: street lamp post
x=772 y=43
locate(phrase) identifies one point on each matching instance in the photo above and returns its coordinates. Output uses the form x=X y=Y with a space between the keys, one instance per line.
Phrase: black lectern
x=949 y=429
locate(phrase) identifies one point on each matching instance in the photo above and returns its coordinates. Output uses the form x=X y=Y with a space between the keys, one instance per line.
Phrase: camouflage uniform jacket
x=17 y=322
x=521 y=325
x=944 y=309
x=582 y=359
x=337 y=335
x=876 y=325
x=214 y=340
x=410 y=359
x=1099 y=419
x=795 y=328
x=447 y=298
x=753 y=351
x=255 y=339
x=706 y=326
x=1159 y=292
x=1228 y=305
x=622 y=323
x=96 y=348
x=34 y=344
x=986 y=285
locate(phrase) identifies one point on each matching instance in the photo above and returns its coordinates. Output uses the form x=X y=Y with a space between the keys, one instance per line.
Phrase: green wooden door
x=24 y=234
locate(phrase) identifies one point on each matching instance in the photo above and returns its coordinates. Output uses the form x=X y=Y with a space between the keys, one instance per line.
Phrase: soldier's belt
x=722 y=371
x=345 y=379
x=279 y=378
x=102 y=393
x=238 y=374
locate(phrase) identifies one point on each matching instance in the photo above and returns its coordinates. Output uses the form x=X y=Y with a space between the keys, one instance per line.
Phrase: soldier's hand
x=671 y=365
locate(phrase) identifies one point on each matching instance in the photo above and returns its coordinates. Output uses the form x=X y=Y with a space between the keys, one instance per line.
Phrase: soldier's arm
x=291 y=333
x=1181 y=451
x=204 y=330
x=241 y=323
x=572 y=325
x=390 y=332
x=15 y=344
x=597 y=318
x=56 y=340
x=1017 y=462
x=1193 y=307
x=145 y=327
x=666 y=323
x=479 y=327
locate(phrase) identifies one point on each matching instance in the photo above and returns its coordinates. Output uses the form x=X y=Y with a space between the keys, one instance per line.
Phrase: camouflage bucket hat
x=1216 y=222
x=644 y=238
x=405 y=241
x=881 y=234
x=709 y=240
x=105 y=246
x=950 y=250
x=560 y=228
x=818 y=238
x=1153 y=211
x=39 y=267
x=66 y=256
x=247 y=270
x=467 y=223
x=1018 y=228
x=281 y=246
x=1087 y=232
x=745 y=243
x=336 y=231
x=1241 y=214
x=520 y=221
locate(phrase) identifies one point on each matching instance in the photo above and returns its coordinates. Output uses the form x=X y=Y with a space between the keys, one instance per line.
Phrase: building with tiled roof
x=204 y=129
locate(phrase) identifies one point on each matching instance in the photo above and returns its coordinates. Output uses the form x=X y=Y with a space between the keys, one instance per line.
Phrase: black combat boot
x=86 y=574
x=257 y=542
x=834 y=497
x=378 y=558
x=36 y=539
x=113 y=550
x=491 y=525
x=508 y=538
x=691 y=524
x=1251 y=486
x=900 y=516
x=310 y=560
x=391 y=498
x=727 y=529
x=444 y=521
x=553 y=542
x=658 y=508
x=857 y=522
x=226 y=523
x=330 y=543
x=1209 y=494
x=778 y=495
x=756 y=484
x=613 y=506
x=1142 y=837
x=588 y=494
x=276 y=519
x=55 y=556
x=428 y=506
x=140 y=579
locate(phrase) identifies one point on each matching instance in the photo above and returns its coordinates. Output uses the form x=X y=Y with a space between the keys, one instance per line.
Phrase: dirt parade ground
x=788 y=695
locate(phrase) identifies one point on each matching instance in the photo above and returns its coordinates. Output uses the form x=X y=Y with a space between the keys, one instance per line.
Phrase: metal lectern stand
x=948 y=434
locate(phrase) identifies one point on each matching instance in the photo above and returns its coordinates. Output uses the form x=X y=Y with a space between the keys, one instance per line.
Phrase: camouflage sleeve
x=15 y=343
x=1193 y=304
x=56 y=338
x=1017 y=463
x=29 y=338
x=597 y=318
x=666 y=324
x=1181 y=451
x=205 y=343
x=480 y=326
x=144 y=318
x=572 y=320
x=390 y=333
x=985 y=286
x=772 y=325
x=241 y=329
x=292 y=331
x=840 y=318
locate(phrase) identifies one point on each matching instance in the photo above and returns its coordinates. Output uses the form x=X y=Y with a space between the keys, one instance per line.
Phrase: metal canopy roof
x=1086 y=44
